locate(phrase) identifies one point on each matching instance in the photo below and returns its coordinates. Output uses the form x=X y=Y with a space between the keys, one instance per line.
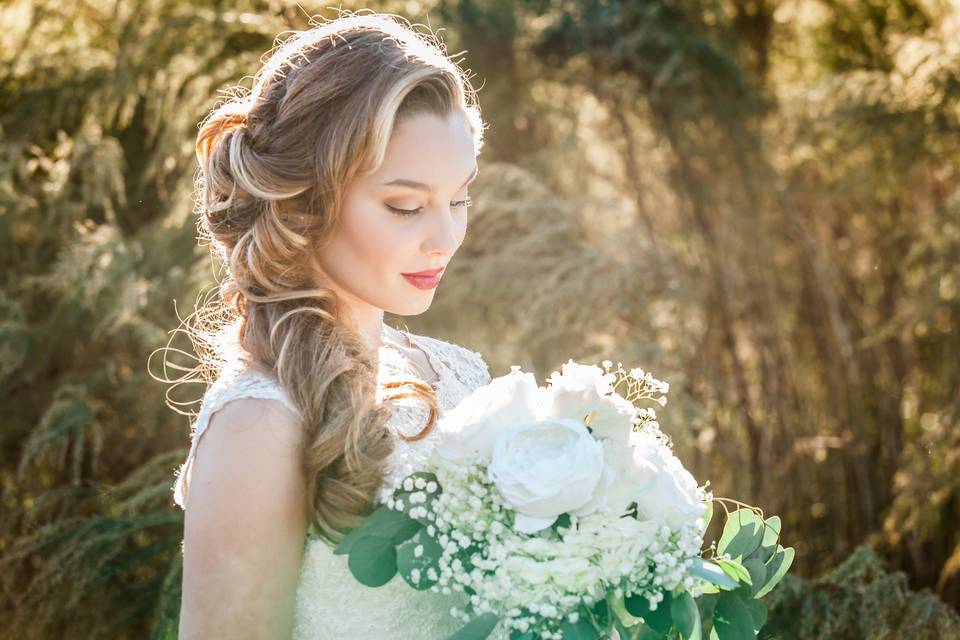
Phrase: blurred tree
x=755 y=200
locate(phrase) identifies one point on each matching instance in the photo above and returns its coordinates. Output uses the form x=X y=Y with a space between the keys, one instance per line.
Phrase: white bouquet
x=562 y=512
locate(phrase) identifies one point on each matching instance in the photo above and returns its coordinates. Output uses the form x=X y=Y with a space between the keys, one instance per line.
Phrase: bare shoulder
x=254 y=418
x=248 y=442
x=245 y=522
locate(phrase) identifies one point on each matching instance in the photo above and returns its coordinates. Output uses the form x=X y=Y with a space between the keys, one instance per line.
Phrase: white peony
x=547 y=468
x=472 y=427
x=662 y=487
x=625 y=483
x=579 y=390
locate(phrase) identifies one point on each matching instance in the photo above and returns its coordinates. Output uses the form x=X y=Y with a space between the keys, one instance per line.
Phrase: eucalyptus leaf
x=404 y=495
x=659 y=619
x=390 y=524
x=346 y=543
x=758 y=611
x=408 y=560
x=734 y=569
x=621 y=613
x=582 y=629
x=771 y=531
x=771 y=534
x=686 y=616
x=477 y=629
x=373 y=561
x=742 y=534
x=758 y=573
x=620 y=628
x=601 y=613
x=776 y=569
x=731 y=619
x=712 y=573
x=763 y=553
x=644 y=632
x=706 y=605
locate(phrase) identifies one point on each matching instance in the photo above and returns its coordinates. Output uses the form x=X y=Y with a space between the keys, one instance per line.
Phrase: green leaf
x=621 y=628
x=620 y=611
x=477 y=629
x=390 y=524
x=706 y=605
x=582 y=629
x=659 y=619
x=601 y=613
x=686 y=616
x=383 y=523
x=758 y=611
x=709 y=515
x=562 y=521
x=712 y=573
x=346 y=543
x=758 y=573
x=771 y=531
x=402 y=494
x=742 y=534
x=644 y=632
x=771 y=534
x=407 y=559
x=373 y=561
x=731 y=619
x=763 y=553
x=776 y=569
x=734 y=569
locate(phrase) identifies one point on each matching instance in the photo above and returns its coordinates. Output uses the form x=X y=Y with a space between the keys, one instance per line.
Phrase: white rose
x=626 y=483
x=471 y=428
x=544 y=469
x=580 y=390
x=663 y=488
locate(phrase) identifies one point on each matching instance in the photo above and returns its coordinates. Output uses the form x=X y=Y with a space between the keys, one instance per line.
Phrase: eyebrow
x=413 y=184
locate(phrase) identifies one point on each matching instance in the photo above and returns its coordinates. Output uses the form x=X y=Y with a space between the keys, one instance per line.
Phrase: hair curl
x=273 y=166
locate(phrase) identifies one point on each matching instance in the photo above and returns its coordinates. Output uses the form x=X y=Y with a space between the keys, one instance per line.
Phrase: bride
x=335 y=191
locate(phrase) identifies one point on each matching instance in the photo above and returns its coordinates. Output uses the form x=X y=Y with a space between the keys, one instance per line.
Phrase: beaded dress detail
x=331 y=604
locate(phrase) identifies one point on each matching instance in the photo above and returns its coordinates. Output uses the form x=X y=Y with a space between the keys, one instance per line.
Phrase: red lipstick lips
x=428 y=279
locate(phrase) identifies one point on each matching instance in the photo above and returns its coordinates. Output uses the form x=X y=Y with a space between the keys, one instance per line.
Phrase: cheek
x=374 y=238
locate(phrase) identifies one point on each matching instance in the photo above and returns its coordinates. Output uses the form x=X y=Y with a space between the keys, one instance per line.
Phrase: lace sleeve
x=467 y=365
x=230 y=386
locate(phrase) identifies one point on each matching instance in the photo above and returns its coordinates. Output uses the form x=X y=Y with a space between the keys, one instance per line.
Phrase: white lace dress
x=331 y=604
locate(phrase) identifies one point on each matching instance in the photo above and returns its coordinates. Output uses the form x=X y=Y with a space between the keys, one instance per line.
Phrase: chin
x=413 y=307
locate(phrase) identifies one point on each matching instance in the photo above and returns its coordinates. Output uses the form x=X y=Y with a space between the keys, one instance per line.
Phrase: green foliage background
x=757 y=200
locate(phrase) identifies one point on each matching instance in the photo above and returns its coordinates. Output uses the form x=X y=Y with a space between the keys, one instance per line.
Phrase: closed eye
x=411 y=212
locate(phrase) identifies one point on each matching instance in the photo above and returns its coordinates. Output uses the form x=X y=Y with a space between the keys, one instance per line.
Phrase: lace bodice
x=331 y=604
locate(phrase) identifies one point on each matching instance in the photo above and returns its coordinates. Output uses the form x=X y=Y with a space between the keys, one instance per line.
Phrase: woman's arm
x=245 y=525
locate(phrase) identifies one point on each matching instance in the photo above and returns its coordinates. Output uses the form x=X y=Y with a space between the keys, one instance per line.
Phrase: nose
x=446 y=234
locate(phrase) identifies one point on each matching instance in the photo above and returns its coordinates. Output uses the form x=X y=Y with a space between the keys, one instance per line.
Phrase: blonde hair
x=273 y=168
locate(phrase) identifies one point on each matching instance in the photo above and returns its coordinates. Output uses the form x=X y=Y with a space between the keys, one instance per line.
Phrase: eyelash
x=411 y=212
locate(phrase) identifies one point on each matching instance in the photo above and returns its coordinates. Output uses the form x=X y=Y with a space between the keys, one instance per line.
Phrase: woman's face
x=374 y=246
